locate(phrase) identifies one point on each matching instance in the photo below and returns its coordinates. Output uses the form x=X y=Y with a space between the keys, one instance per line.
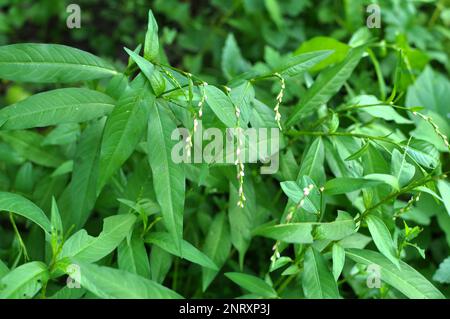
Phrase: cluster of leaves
x=88 y=187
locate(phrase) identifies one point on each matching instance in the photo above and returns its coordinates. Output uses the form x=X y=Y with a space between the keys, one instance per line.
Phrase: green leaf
x=317 y=280
x=327 y=85
x=338 y=48
x=405 y=279
x=343 y=226
x=71 y=105
x=24 y=281
x=442 y=275
x=242 y=220
x=217 y=247
x=166 y=242
x=151 y=46
x=343 y=185
x=444 y=189
x=401 y=169
x=253 y=284
x=233 y=62
x=386 y=179
x=168 y=176
x=359 y=153
x=295 y=192
x=157 y=81
x=298 y=233
x=28 y=145
x=50 y=63
x=243 y=95
x=292 y=190
x=382 y=238
x=132 y=257
x=221 y=105
x=78 y=199
x=312 y=163
x=110 y=283
x=385 y=112
x=124 y=129
x=423 y=152
x=86 y=248
x=275 y=12
x=55 y=220
x=160 y=261
x=338 y=256
x=62 y=134
x=298 y=64
x=19 y=205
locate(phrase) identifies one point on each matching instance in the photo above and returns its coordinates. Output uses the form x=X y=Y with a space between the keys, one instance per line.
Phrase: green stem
x=21 y=243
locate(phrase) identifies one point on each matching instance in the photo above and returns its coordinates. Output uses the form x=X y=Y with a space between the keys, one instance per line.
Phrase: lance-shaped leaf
x=168 y=177
x=242 y=220
x=132 y=257
x=444 y=189
x=78 y=199
x=221 y=105
x=86 y=248
x=423 y=153
x=343 y=226
x=157 y=81
x=233 y=63
x=50 y=63
x=110 y=283
x=161 y=262
x=327 y=85
x=405 y=279
x=124 y=129
x=382 y=238
x=400 y=168
x=312 y=163
x=217 y=247
x=253 y=284
x=151 y=46
x=317 y=280
x=24 y=281
x=298 y=233
x=28 y=145
x=338 y=256
x=302 y=62
x=19 y=205
x=71 y=105
x=166 y=242
x=343 y=185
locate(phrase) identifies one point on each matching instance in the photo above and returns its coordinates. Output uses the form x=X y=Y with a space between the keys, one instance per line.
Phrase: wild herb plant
x=93 y=203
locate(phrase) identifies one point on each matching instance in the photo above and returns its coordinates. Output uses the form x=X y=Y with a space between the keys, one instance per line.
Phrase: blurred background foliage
x=194 y=31
x=199 y=35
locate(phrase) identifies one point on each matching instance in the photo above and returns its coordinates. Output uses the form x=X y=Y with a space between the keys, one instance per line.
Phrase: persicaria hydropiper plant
x=145 y=182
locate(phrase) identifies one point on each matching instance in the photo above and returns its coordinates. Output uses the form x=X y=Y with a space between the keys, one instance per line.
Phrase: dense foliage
x=358 y=208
